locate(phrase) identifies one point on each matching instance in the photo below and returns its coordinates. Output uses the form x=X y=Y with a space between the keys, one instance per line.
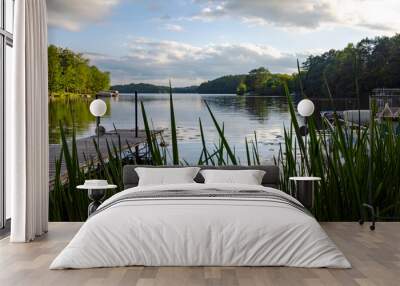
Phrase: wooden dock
x=86 y=148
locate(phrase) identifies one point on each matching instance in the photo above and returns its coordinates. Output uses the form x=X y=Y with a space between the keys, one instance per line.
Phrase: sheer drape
x=27 y=124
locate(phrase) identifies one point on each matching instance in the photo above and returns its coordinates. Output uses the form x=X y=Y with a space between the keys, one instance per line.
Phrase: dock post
x=98 y=124
x=136 y=114
x=136 y=126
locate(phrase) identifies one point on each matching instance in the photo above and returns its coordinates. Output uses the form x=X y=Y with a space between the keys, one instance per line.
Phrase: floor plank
x=375 y=257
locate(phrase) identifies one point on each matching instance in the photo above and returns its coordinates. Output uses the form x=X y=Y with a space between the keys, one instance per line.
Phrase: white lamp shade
x=305 y=107
x=98 y=107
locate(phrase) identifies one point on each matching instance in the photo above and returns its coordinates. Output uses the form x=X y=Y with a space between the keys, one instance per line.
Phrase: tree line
x=258 y=81
x=151 y=88
x=225 y=84
x=70 y=72
x=261 y=81
x=369 y=64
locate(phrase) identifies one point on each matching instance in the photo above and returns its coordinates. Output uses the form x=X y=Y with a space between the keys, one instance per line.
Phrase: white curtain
x=27 y=124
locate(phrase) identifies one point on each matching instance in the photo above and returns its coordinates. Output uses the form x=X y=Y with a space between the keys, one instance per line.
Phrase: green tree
x=242 y=88
x=224 y=84
x=54 y=69
x=374 y=62
x=262 y=82
x=256 y=80
x=71 y=73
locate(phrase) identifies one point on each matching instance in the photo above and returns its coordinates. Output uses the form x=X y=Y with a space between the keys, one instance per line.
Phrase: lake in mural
x=241 y=115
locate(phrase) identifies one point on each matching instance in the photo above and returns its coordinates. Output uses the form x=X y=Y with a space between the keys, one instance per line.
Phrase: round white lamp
x=98 y=108
x=305 y=108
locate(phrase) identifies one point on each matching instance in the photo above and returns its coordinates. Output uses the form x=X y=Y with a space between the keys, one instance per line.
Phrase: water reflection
x=241 y=115
x=71 y=113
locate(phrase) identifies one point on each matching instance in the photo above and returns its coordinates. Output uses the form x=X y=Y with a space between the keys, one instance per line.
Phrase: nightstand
x=96 y=195
x=304 y=191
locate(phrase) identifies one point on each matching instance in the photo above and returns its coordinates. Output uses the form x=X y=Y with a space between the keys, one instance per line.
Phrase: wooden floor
x=375 y=257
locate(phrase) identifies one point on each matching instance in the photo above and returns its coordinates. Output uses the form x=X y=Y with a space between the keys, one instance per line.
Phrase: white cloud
x=288 y=13
x=379 y=15
x=173 y=27
x=157 y=61
x=73 y=14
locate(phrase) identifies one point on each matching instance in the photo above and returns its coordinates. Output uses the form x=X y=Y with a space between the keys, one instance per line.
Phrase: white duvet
x=202 y=232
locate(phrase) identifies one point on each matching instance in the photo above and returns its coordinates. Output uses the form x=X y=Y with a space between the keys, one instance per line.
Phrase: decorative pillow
x=248 y=177
x=166 y=176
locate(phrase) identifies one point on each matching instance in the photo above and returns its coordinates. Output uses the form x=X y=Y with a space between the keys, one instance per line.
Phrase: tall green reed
x=66 y=203
x=356 y=165
x=220 y=154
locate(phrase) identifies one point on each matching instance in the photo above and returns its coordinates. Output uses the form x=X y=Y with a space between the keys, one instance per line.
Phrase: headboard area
x=271 y=177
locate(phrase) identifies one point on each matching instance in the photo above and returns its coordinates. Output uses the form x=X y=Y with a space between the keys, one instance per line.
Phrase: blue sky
x=189 y=41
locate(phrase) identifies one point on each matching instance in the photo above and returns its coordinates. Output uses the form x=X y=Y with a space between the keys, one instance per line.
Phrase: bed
x=199 y=224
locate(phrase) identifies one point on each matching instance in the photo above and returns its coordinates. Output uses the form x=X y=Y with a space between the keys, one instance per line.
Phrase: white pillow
x=248 y=177
x=166 y=176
